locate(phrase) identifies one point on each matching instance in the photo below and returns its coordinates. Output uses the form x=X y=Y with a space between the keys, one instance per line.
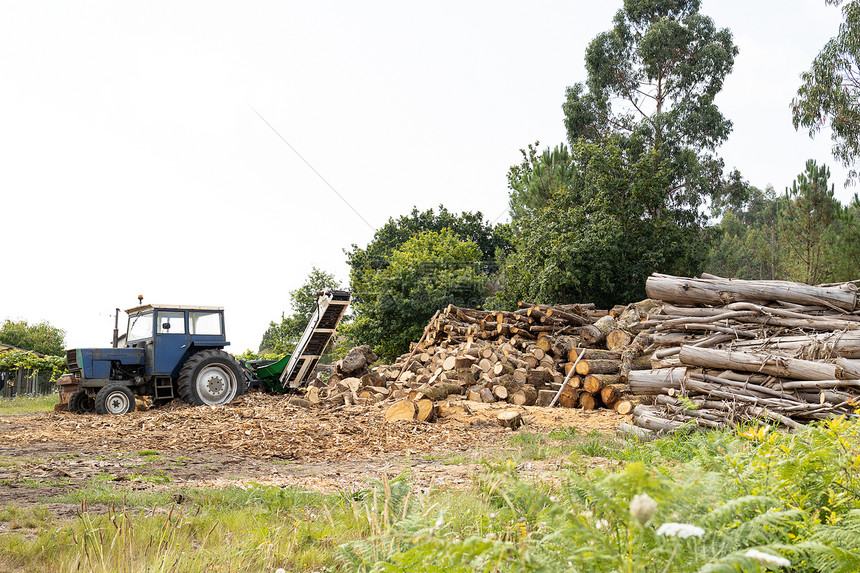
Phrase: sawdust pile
x=256 y=425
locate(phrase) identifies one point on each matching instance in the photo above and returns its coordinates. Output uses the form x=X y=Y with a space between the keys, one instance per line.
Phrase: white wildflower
x=767 y=558
x=682 y=530
x=601 y=524
x=440 y=521
x=280 y=570
x=642 y=508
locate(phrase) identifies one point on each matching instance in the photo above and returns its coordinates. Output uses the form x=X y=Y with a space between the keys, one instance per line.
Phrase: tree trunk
x=691 y=291
x=653 y=382
x=768 y=364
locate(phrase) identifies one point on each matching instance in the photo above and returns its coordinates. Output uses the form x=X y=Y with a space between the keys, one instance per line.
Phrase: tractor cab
x=169 y=334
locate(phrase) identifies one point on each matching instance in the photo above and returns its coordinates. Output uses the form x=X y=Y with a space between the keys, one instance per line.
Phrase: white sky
x=133 y=162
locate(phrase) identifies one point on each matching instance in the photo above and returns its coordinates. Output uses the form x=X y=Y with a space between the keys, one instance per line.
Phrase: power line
x=318 y=174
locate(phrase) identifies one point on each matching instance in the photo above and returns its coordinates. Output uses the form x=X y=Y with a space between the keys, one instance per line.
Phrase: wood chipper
x=173 y=351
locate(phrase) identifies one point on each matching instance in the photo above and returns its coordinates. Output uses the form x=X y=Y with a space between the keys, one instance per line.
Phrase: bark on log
x=593 y=334
x=642 y=434
x=592 y=354
x=680 y=290
x=598 y=367
x=595 y=382
x=465 y=376
x=521 y=375
x=652 y=382
x=750 y=362
x=441 y=391
x=811 y=347
x=539 y=378
x=487 y=396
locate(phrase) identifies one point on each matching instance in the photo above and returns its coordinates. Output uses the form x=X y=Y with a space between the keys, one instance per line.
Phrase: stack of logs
x=538 y=355
x=711 y=352
x=729 y=351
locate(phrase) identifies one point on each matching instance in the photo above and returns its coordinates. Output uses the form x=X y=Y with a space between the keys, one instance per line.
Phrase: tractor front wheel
x=81 y=403
x=115 y=399
x=210 y=377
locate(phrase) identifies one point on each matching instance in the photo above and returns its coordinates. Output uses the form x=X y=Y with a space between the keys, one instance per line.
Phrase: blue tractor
x=175 y=351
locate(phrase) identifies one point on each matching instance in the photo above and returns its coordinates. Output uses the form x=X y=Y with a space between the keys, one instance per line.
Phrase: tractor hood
x=95 y=362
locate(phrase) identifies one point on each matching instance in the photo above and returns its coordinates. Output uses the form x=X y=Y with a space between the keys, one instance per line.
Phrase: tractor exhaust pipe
x=116 y=329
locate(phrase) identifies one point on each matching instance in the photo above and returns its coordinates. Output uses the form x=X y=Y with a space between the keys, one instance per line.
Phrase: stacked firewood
x=533 y=356
x=709 y=351
x=726 y=351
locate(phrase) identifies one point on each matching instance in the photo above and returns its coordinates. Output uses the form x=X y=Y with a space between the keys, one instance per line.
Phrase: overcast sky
x=133 y=161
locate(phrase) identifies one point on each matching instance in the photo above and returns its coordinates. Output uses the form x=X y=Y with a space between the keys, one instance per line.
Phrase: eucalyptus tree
x=830 y=93
x=643 y=130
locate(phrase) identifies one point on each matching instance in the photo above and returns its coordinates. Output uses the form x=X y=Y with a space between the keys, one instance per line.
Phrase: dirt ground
x=258 y=439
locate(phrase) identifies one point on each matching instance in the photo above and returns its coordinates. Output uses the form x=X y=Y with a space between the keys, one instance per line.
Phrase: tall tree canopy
x=593 y=241
x=652 y=81
x=467 y=225
x=42 y=337
x=626 y=199
x=427 y=272
x=830 y=93
x=392 y=297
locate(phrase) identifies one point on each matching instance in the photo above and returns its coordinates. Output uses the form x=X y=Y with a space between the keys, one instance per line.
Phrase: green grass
x=158 y=476
x=18 y=518
x=28 y=404
x=233 y=529
x=784 y=494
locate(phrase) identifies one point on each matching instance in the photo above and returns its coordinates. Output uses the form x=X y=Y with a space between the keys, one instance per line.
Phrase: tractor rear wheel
x=115 y=399
x=210 y=377
x=81 y=403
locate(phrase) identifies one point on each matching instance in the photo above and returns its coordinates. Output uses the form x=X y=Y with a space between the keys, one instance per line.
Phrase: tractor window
x=139 y=327
x=171 y=322
x=206 y=323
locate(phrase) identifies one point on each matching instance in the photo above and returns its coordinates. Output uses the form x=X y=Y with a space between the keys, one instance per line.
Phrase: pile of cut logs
x=727 y=351
x=538 y=355
x=707 y=351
